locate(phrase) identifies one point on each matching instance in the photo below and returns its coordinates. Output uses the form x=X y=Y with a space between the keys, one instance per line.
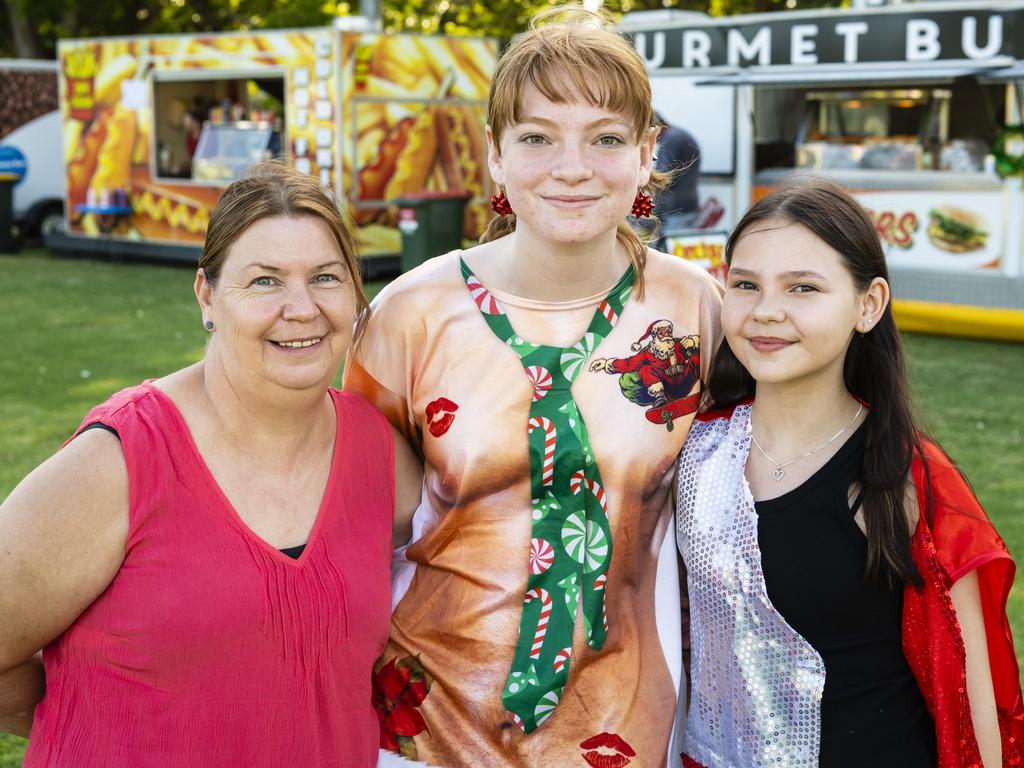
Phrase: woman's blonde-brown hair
x=569 y=54
x=274 y=188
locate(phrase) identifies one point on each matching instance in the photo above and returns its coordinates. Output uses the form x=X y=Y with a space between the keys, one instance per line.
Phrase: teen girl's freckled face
x=284 y=304
x=790 y=306
x=570 y=170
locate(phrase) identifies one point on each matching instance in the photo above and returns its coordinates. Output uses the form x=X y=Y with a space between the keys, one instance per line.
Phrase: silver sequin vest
x=755 y=696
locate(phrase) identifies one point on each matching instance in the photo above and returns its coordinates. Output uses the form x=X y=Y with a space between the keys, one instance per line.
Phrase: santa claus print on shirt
x=661 y=374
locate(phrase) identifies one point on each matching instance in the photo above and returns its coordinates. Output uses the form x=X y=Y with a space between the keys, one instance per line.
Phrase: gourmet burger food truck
x=916 y=108
x=155 y=128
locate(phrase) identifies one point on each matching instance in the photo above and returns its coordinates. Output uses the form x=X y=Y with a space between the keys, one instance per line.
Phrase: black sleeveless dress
x=813 y=556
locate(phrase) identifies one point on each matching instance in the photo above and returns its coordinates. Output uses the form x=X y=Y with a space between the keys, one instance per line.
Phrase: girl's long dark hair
x=873 y=371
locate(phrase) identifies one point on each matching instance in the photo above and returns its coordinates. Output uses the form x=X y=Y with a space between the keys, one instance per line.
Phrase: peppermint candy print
x=540 y=377
x=574 y=537
x=546 y=706
x=596 y=554
x=572 y=360
x=483 y=298
x=570 y=541
x=542 y=555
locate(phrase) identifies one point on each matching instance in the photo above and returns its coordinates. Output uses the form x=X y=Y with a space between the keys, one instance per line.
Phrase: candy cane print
x=483 y=298
x=562 y=658
x=609 y=313
x=539 y=422
x=578 y=480
x=516 y=719
x=542 y=623
x=599 y=582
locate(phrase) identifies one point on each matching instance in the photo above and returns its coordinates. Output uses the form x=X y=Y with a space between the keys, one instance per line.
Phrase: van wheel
x=52 y=222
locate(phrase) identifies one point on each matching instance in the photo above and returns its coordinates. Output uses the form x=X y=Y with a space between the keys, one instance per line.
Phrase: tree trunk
x=26 y=44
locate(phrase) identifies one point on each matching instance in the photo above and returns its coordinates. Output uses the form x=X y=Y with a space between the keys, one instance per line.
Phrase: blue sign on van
x=12 y=161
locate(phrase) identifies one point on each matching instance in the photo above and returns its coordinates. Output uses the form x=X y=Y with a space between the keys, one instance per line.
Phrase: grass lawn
x=77 y=330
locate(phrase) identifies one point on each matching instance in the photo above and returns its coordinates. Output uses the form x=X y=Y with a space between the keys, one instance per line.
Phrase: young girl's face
x=569 y=169
x=791 y=307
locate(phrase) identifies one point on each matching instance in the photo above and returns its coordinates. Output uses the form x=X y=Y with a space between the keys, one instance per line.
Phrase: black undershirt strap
x=101 y=425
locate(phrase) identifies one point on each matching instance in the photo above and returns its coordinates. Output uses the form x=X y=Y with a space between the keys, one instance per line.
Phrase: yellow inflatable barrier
x=959 y=320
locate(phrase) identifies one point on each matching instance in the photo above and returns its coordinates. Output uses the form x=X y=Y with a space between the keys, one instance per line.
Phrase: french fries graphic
x=113 y=167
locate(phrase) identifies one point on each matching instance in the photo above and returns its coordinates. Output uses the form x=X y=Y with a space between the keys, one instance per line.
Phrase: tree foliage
x=31 y=28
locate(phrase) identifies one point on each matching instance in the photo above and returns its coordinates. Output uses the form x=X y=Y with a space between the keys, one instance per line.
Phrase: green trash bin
x=8 y=243
x=431 y=224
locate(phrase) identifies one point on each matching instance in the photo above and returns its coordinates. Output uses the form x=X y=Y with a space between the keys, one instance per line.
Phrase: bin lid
x=425 y=197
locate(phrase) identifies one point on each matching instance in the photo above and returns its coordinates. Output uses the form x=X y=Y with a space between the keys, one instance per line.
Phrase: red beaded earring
x=500 y=204
x=642 y=205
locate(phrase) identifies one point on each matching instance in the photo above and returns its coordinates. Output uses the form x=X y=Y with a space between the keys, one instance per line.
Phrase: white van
x=30 y=144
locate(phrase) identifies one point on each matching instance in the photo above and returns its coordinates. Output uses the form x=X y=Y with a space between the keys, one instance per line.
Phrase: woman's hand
x=967 y=604
x=62 y=540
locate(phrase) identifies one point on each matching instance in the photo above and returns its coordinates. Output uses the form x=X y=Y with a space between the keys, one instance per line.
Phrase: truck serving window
x=210 y=130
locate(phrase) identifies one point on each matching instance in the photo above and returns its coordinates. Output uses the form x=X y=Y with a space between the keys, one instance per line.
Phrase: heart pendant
x=779 y=473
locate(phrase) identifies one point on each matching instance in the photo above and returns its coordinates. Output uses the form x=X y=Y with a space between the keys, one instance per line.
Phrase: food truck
x=915 y=108
x=154 y=128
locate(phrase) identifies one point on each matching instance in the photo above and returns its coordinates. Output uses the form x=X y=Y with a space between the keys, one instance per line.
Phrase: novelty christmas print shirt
x=524 y=629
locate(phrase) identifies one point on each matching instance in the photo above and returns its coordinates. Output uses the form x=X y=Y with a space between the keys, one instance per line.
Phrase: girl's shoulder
x=675 y=272
x=418 y=289
x=722 y=414
x=711 y=429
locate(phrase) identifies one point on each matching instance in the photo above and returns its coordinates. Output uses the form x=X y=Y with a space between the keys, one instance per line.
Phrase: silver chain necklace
x=779 y=472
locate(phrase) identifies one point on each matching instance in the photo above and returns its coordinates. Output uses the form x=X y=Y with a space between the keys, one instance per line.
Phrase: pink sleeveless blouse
x=211 y=647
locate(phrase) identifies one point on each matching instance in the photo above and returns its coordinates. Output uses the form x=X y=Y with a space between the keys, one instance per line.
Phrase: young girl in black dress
x=847 y=592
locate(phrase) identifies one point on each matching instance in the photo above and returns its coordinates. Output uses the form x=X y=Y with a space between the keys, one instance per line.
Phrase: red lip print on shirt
x=607 y=750
x=440 y=415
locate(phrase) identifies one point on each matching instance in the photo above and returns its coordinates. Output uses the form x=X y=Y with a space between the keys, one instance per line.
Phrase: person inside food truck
x=192 y=122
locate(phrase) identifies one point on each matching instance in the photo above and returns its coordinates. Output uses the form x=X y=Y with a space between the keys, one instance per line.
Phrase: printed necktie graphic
x=570 y=546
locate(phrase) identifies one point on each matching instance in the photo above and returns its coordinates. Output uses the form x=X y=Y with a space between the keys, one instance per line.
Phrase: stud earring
x=209 y=325
x=500 y=204
x=642 y=205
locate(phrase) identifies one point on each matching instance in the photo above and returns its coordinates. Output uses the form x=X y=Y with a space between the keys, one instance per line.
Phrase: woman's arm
x=408 y=488
x=967 y=604
x=62 y=538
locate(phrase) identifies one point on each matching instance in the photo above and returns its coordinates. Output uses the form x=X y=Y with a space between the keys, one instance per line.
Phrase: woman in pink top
x=207 y=573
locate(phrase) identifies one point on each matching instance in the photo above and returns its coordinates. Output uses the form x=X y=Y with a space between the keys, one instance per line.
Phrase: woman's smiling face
x=570 y=169
x=284 y=305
